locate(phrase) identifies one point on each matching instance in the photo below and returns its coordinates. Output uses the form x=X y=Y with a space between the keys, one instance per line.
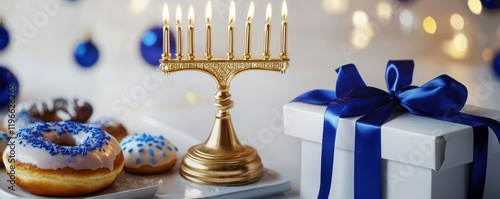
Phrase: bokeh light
x=359 y=19
x=429 y=25
x=335 y=6
x=384 y=11
x=406 y=18
x=487 y=54
x=475 y=6
x=457 y=21
x=460 y=42
x=138 y=6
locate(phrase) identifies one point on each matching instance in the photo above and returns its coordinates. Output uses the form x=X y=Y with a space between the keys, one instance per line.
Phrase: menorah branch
x=223 y=70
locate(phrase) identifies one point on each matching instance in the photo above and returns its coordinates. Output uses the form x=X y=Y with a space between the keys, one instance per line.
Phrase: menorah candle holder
x=222 y=159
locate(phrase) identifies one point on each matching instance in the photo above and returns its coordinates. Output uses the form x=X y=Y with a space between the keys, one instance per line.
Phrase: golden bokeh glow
x=475 y=6
x=487 y=54
x=359 y=39
x=335 y=6
x=138 y=6
x=460 y=42
x=457 y=21
x=384 y=10
x=429 y=25
x=359 y=19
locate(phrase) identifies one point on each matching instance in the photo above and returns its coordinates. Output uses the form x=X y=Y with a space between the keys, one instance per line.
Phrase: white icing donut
x=57 y=145
x=4 y=140
x=148 y=150
x=63 y=159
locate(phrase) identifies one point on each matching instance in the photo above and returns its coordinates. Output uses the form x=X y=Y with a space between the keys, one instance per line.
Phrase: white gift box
x=422 y=158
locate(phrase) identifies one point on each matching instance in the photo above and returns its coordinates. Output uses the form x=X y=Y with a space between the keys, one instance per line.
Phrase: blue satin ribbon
x=441 y=98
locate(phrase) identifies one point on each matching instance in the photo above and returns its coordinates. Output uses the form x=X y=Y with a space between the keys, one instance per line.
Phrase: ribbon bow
x=441 y=98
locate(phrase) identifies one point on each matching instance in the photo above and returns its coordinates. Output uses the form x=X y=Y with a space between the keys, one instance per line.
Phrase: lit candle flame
x=284 y=10
x=232 y=13
x=178 y=14
x=208 y=11
x=190 y=14
x=165 y=13
x=250 y=12
x=268 y=12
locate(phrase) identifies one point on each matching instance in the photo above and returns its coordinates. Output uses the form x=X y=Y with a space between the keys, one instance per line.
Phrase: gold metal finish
x=230 y=42
x=267 y=42
x=208 y=44
x=222 y=159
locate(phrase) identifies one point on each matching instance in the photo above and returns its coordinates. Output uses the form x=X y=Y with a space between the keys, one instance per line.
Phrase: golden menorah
x=222 y=159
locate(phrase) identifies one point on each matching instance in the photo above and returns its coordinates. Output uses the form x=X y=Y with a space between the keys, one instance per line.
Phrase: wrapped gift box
x=422 y=158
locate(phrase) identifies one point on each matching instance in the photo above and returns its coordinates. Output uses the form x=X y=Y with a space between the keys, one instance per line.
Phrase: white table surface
x=122 y=84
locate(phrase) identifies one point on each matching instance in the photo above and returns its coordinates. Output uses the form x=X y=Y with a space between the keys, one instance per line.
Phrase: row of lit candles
x=230 y=38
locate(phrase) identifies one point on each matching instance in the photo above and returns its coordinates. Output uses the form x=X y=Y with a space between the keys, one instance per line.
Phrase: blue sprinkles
x=130 y=150
x=33 y=136
x=169 y=148
x=164 y=154
x=151 y=152
x=137 y=160
x=153 y=161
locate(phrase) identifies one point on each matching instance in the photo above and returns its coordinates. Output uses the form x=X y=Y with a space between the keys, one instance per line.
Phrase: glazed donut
x=4 y=140
x=51 y=110
x=64 y=159
x=148 y=154
x=113 y=127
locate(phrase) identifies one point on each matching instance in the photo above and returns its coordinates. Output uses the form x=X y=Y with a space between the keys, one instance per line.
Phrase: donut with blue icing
x=64 y=159
x=148 y=154
x=51 y=110
x=4 y=140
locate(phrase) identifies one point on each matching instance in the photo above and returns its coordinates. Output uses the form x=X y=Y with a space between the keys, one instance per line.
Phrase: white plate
x=170 y=184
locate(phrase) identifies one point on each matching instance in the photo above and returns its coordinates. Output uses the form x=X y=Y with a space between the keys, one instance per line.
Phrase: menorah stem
x=221 y=159
x=223 y=137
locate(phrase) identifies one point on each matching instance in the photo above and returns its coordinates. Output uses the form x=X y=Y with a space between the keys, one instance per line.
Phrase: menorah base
x=233 y=168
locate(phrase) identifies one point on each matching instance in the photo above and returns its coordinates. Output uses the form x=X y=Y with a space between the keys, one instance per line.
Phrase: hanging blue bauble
x=152 y=45
x=4 y=37
x=9 y=87
x=86 y=54
x=491 y=4
x=496 y=64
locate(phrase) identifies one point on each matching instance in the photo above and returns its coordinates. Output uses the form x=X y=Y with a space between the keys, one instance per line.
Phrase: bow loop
x=398 y=75
x=441 y=96
x=347 y=80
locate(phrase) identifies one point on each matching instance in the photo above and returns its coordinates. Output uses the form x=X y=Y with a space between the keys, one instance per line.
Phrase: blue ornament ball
x=9 y=87
x=496 y=64
x=86 y=54
x=491 y=4
x=152 y=45
x=4 y=38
